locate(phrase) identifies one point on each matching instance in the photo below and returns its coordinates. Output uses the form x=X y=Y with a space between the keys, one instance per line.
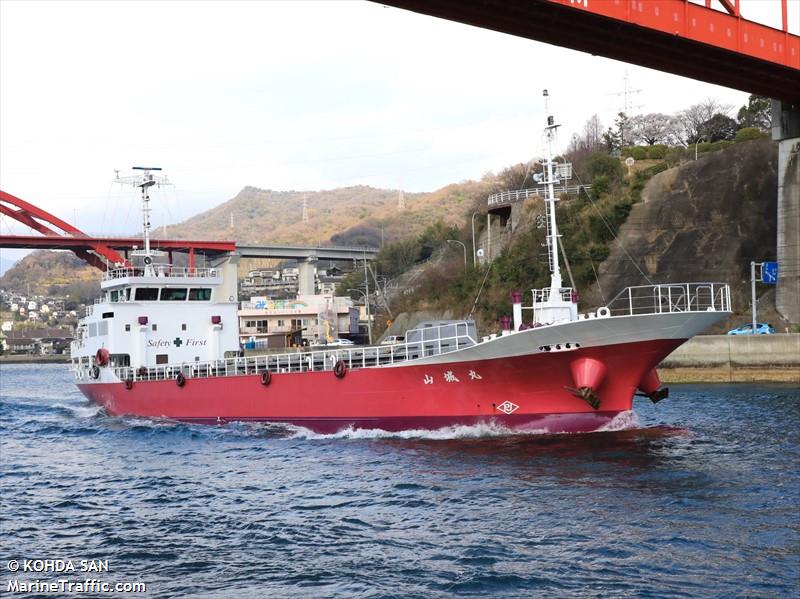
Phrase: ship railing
x=425 y=342
x=543 y=295
x=160 y=270
x=671 y=298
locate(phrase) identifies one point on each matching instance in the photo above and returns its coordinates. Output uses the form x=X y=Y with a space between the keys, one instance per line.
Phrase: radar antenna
x=144 y=180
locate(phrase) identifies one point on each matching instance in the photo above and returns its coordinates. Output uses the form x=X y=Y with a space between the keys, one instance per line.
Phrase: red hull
x=525 y=392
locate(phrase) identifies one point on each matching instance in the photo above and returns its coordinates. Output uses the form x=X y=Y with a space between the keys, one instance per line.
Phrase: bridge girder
x=674 y=36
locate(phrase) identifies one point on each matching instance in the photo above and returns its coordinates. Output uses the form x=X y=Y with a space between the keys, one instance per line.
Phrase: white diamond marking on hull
x=507 y=407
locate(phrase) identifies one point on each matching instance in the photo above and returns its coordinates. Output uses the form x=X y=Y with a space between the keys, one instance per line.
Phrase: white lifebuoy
x=603 y=312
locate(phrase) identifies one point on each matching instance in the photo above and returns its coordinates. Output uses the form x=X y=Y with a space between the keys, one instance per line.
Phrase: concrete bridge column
x=228 y=268
x=305 y=279
x=786 y=131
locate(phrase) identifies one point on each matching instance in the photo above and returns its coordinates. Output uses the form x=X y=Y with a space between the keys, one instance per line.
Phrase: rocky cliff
x=701 y=221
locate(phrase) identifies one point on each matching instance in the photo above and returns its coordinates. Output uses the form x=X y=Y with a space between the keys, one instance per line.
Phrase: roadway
x=208 y=248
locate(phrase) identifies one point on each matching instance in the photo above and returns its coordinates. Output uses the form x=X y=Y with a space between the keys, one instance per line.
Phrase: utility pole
x=366 y=299
x=474 y=249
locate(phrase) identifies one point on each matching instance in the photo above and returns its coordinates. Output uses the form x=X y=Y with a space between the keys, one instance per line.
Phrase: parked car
x=762 y=328
x=393 y=340
x=335 y=343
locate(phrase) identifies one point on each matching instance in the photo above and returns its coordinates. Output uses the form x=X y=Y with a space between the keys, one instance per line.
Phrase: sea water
x=694 y=497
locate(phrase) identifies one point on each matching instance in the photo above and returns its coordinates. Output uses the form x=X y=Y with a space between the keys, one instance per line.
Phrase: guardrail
x=429 y=342
x=679 y=297
x=160 y=271
x=508 y=197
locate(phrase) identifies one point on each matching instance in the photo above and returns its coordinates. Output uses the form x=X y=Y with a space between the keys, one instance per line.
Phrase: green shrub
x=720 y=145
x=598 y=253
x=703 y=147
x=601 y=185
x=603 y=164
x=749 y=133
x=657 y=168
x=639 y=153
x=657 y=152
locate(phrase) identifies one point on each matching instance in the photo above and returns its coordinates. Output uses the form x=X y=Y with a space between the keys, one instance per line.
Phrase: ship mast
x=551 y=174
x=145 y=181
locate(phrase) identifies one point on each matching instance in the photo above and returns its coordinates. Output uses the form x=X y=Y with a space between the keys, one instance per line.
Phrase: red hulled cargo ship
x=164 y=342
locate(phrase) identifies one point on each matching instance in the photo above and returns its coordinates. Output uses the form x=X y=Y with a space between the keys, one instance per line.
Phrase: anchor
x=650 y=387
x=587 y=394
x=657 y=395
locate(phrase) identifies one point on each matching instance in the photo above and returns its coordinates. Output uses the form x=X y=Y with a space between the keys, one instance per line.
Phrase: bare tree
x=696 y=116
x=650 y=129
x=590 y=140
x=675 y=131
x=593 y=133
x=514 y=176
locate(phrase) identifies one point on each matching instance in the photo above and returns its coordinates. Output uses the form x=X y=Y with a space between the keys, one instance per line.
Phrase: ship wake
x=485 y=430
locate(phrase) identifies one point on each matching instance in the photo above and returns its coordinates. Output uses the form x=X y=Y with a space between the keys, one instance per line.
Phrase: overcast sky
x=279 y=95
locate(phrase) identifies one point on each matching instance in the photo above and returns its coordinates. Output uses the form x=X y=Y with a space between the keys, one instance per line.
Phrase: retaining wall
x=735 y=358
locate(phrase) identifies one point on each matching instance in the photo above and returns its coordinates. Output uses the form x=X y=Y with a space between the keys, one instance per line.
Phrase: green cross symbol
x=178 y=342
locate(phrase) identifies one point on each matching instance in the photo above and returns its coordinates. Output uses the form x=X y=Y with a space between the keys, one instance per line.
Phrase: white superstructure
x=160 y=315
x=153 y=314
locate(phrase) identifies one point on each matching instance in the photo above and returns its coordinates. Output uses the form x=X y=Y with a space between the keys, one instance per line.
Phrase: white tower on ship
x=556 y=303
x=145 y=180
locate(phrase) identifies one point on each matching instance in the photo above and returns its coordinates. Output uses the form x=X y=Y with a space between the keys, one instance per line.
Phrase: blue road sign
x=769 y=273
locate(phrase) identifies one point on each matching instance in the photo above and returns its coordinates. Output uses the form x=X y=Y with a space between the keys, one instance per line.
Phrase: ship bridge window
x=114 y=296
x=147 y=294
x=200 y=295
x=169 y=294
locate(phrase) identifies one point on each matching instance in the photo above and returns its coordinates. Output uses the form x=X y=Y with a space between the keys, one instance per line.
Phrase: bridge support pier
x=228 y=265
x=786 y=131
x=305 y=278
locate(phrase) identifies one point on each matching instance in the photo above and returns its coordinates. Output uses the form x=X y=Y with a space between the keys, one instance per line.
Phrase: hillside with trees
x=694 y=220
x=53 y=274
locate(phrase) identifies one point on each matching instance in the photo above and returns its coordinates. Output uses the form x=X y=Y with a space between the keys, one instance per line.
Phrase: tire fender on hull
x=340 y=369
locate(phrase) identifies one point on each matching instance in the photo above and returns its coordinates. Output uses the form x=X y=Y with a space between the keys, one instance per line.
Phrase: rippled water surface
x=698 y=499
